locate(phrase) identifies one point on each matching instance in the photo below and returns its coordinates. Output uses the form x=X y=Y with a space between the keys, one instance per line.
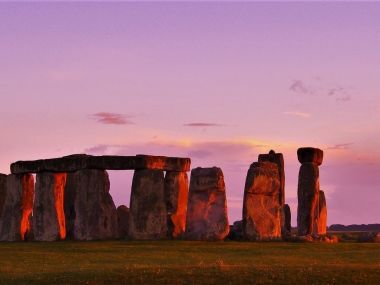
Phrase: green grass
x=184 y=262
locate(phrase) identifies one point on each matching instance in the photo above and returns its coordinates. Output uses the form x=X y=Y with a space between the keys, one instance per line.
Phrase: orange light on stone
x=176 y=193
x=27 y=182
x=156 y=163
x=59 y=192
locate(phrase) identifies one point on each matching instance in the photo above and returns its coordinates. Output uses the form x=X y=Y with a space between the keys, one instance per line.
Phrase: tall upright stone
x=261 y=205
x=48 y=211
x=322 y=214
x=17 y=207
x=176 y=195
x=3 y=191
x=27 y=203
x=207 y=205
x=286 y=227
x=278 y=159
x=147 y=212
x=89 y=209
x=308 y=190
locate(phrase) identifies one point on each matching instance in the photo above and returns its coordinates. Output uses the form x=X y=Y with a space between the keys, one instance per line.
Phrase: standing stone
x=308 y=190
x=3 y=191
x=90 y=211
x=322 y=214
x=286 y=227
x=27 y=202
x=48 y=211
x=176 y=195
x=278 y=159
x=207 y=206
x=261 y=205
x=147 y=218
x=17 y=207
x=123 y=221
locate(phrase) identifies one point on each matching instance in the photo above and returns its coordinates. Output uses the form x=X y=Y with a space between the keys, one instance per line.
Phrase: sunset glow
x=216 y=82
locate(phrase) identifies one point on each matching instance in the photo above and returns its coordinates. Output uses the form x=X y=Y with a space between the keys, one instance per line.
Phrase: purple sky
x=218 y=82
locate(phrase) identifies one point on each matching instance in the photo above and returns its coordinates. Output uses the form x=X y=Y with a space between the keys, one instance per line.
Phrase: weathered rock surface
x=89 y=209
x=236 y=231
x=322 y=214
x=308 y=193
x=286 y=227
x=3 y=191
x=15 y=215
x=48 y=213
x=176 y=195
x=27 y=201
x=310 y=155
x=207 y=206
x=278 y=159
x=148 y=214
x=76 y=162
x=261 y=205
x=123 y=221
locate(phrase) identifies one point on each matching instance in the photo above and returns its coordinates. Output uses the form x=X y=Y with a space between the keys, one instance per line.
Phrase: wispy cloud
x=112 y=118
x=298 y=114
x=298 y=86
x=341 y=146
x=202 y=124
x=98 y=149
x=319 y=87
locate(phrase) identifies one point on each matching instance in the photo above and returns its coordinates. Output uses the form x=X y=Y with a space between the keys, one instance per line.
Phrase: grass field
x=184 y=262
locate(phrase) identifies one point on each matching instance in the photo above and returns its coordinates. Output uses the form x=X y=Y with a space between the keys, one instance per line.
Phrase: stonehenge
x=147 y=219
x=286 y=226
x=15 y=223
x=48 y=212
x=207 y=205
x=285 y=214
x=278 y=159
x=76 y=162
x=308 y=190
x=3 y=188
x=261 y=204
x=321 y=215
x=90 y=211
x=71 y=200
x=176 y=195
x=68 y=198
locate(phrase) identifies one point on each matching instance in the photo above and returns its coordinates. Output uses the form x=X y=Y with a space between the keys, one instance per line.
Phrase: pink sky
x=218 y=82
